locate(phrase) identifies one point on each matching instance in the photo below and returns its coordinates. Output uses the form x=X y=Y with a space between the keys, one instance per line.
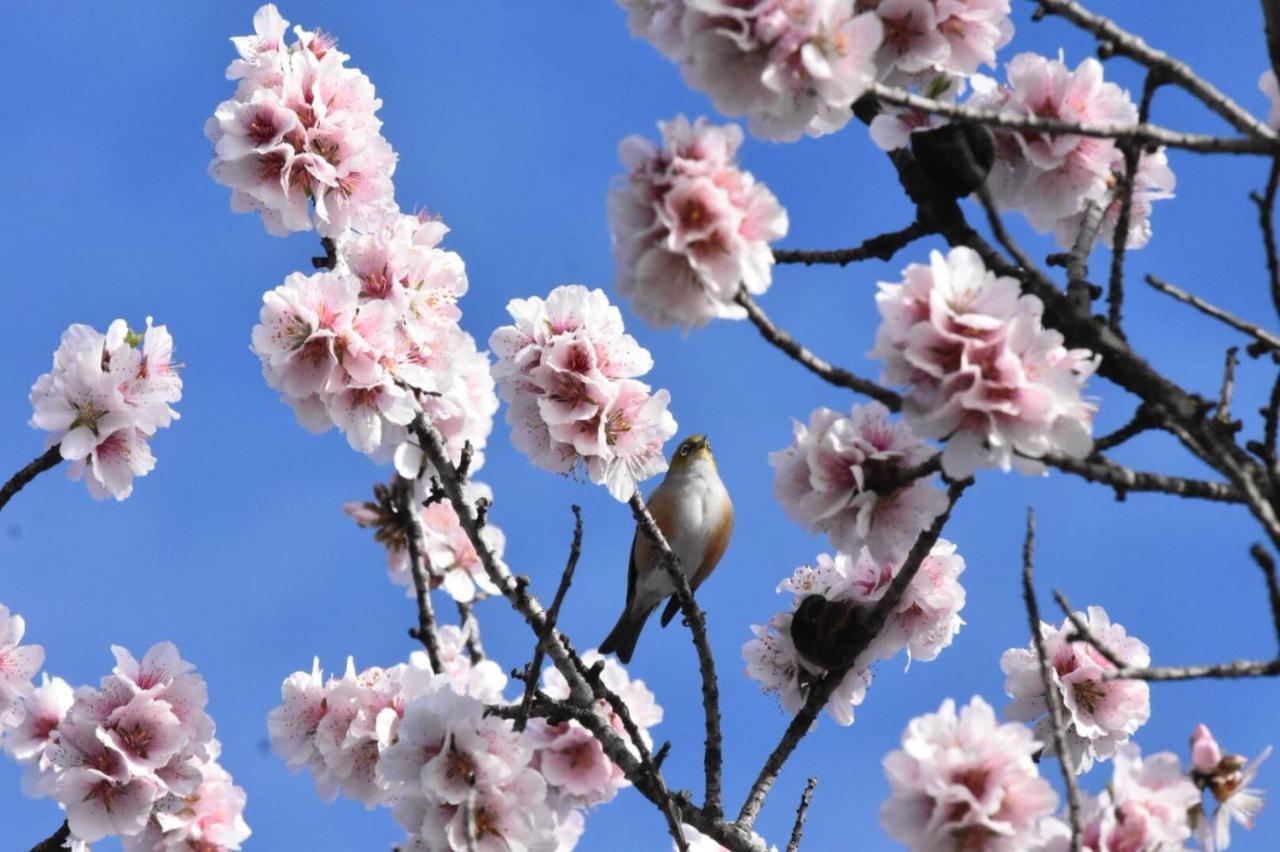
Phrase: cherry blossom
x=449 y=556
x=925 y=621
x=791 y=68
x=105 y=397
x=1227 y=779
x=567 y=371
x=369 y=344
x=689 y=227
x=211 y=818
x=845 y=476
x=1101 y=714
x=42 y=711
x=982 y=371
x=300 y=141
x=965 y=781
x=18 y=665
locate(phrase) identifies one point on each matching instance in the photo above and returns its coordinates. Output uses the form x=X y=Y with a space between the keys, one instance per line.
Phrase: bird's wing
x=717 y=543
x=662 y=508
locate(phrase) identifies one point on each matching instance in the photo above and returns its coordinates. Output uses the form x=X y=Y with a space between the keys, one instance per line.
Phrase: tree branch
x=1120 y=236
x=1266 y=221
x=45 y=461
x=802 y=811
x=821 y=690
x=1268 y=566
x=713 y=757
x=1266 y=338
x=881 y=247
x=1098 y=468
x=471 y=628
x=425 y=632
x=1054 y=700
x=837 y=376
x=54 y=842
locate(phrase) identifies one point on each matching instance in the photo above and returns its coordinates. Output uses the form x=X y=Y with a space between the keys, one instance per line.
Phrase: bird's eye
x=684 y=449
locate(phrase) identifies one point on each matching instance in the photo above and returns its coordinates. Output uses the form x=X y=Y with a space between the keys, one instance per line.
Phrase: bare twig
x=1262 y=336
x=1266 y=220
x=1222 y=671
x=328 y=260
x=425 y=632
x=534 y=668
x=1083 y=633
x=471 y=629
x=1223 y=414
x=54 y=842
x=1143 y=420
x=1098 y=468
x=1142 y=134
x=998 y=230
x=835 y=375
x=880 y=247
x=713 y=759
x=802 y=811
x=45 y=461
x=1052 y=697
x=1268 y=566
x=820 y=691
x=1120 y=236
x=1118 y=41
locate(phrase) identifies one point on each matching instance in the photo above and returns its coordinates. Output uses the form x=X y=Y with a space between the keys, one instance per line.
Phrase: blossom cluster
x=105 y=397
x=423 y=744
x=1100 y=714
x=690 y=229
x=982 y=371
x=371 y=342
x=568 y=373
x=449 y=556
x=846 y=476
x=1054 y=179
x=133 y=757
x=962 y=780
x=923 y=622
x=300 y=142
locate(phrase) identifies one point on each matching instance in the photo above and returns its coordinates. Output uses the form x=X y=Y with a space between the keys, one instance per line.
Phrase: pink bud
x=1205 y=753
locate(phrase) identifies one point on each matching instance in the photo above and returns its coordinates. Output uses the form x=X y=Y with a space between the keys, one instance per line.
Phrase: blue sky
x=506 y=118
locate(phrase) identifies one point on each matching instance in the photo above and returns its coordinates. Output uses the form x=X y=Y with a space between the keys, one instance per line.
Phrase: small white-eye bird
x=694 y=512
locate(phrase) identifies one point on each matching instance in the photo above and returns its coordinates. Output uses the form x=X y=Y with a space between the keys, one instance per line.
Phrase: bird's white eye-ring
x=684 y=450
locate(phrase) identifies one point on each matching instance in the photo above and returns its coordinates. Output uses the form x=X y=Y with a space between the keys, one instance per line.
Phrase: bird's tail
x=622 y=639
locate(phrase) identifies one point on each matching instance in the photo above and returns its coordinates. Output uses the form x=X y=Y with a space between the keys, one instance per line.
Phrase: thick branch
x=45 y=461
x=837 y=376
x=54 y=842
x=1141 y=134
x=821 y=690
x=713 y=758
x=1054 y=699
x=1266 y=338
x=1119 y=41
x=881 y=247
x=1100 y=469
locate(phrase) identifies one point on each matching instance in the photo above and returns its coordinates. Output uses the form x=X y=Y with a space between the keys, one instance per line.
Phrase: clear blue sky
x=506 y=117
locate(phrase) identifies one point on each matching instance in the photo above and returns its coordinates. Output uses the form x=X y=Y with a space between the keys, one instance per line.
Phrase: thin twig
x=1052 y=697
x=1268 y=566
x=835 y=375
x=998 y=230
x=1223 y=414
x=1083 y=633
x=54 y=842
x=45 y=461
x=1098 y=468
x=1223 y=671
x=471 y=629
x=1143 y=421
x=1120 y=41
x=1266 y=221
x=820 y=691
x=1143 y=134
x=1262 y=336
x=802 y=811
x=713 y=758
x=880 y=247
x=1120 y=236
x=425 y=632
x=533 y=670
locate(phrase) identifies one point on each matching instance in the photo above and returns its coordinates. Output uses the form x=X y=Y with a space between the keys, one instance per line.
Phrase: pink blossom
x=964 y=781
x=1227 y=779
x=1101 y=714
x=300 y=142
x=105 y=397
x=840 y=476
x=689 y=227
x=791 y=68
x=982 y=371
x=18 y=665
x=43 y=710
x=567 y=370
x=211 y=818
x=1153 y=181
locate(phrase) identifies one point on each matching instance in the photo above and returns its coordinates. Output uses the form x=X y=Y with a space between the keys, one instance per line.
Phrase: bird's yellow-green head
x=690 y=450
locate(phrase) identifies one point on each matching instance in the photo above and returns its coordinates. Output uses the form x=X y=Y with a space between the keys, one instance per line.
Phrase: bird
x=692 y=508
